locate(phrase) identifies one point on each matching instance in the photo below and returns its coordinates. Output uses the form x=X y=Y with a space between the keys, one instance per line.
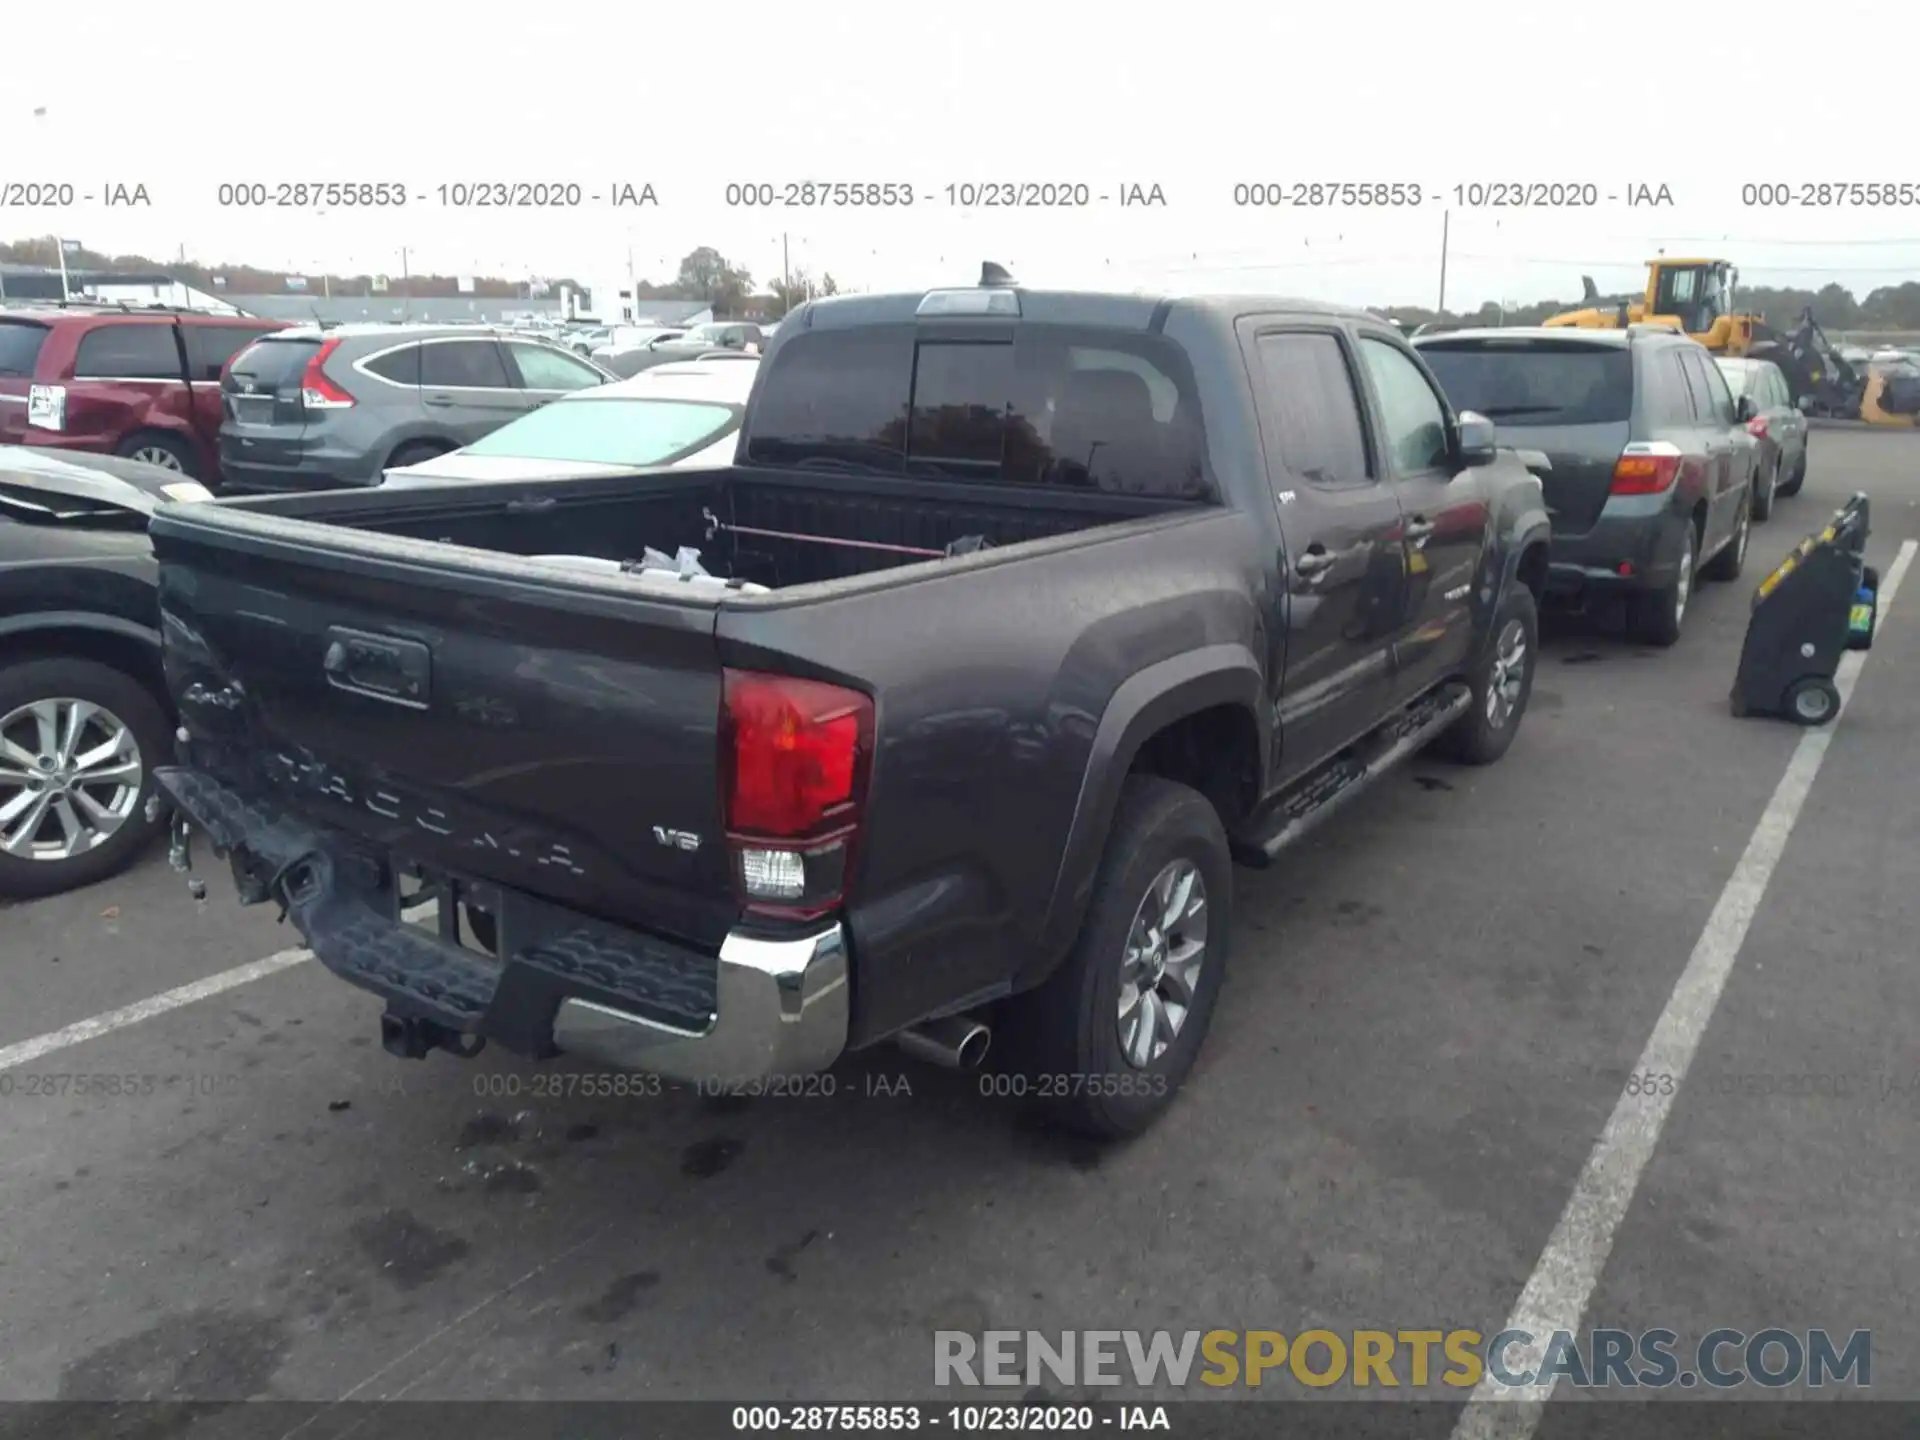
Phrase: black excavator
x=1826 y=383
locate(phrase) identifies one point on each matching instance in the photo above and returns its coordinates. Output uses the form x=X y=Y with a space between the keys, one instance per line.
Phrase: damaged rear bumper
x=570 y=984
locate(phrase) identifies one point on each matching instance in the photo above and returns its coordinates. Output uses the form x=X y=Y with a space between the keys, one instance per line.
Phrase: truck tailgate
x=423 y=707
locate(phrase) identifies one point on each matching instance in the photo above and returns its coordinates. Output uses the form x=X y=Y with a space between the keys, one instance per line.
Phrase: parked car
x=108 y=380
x=1779 y=426
x=626 y=348
x=84 y=711
x=687 y=414
x=311 y=409
x=1653 y=470
x=1077 y=598
x=669 y=346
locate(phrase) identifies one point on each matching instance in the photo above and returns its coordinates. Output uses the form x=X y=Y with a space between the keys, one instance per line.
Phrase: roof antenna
x=992 y=274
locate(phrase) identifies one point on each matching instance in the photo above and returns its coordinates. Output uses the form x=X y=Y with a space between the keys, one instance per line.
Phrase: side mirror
x=1744 y=409
x=1474 y=439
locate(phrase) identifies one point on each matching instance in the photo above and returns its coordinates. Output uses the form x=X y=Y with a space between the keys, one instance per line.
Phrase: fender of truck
x=1148 y=701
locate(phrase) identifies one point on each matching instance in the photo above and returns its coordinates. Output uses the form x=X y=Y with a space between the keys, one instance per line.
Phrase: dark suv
x=309 y=409
x=113 y=380
x=1652 y=468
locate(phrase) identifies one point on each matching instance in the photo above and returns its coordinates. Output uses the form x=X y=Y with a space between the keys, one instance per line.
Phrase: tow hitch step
x=414 y=1039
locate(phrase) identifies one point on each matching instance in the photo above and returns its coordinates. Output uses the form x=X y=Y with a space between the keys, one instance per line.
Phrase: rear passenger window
x=1307 y=394
x=1719 y=397
x=401 y=366
x=20 y=343
x=128 y=352
x=1412 y=414
x=1696 y=384
x=464 y=365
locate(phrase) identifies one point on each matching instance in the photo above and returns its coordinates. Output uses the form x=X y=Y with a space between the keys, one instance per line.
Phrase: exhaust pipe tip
x=974 y=1047
x=954 y=1042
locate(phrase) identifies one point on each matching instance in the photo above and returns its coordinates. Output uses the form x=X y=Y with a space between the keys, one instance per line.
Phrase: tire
x=1502 y=683
x=1792 y=484
x=1811 y=701
x=155 y=448
x=1065 y=1037
x=120 y=702
x=1764 y=489
x=413 y=452
x=1656 y=616
x=1732 y=558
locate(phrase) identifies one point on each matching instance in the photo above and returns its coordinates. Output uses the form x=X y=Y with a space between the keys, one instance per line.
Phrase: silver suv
x=320 y=408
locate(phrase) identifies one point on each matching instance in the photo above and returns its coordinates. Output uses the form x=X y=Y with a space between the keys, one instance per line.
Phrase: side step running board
x=1329 y=788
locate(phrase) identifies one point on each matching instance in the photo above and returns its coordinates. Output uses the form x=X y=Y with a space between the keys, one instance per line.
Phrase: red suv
x=115 y=381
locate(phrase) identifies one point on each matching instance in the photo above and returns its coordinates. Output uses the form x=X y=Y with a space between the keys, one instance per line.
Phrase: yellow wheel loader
x=1692 y=296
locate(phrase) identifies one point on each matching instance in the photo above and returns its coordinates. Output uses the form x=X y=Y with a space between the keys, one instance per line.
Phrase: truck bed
x=619 y=519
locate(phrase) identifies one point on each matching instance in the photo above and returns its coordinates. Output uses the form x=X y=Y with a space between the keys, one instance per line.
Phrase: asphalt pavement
x=1430 y=1018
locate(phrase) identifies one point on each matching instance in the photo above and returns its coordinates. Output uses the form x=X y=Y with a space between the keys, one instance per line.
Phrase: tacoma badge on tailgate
x=380 y=667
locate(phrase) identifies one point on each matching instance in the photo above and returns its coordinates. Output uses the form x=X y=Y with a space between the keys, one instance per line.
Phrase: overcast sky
x=1193 y=97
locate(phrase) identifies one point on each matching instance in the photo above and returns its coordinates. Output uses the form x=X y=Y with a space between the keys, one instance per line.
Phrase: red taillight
x=317 y=392
x=1757 y=427
x=796 y=754
x=1646 y=469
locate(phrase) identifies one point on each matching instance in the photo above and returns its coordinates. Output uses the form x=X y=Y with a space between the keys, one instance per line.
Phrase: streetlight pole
x=59 y=241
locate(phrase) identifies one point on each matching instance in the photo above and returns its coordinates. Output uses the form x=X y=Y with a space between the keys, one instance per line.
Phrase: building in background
x=132 y=288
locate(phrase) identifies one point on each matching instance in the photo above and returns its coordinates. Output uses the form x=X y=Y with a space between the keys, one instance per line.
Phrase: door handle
x=1313 y=564
x=439 y=400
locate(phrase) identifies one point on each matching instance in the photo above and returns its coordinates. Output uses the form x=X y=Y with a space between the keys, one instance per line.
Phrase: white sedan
x=683 y=414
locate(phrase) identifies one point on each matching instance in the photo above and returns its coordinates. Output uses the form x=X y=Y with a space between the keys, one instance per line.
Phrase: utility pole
x=786 y=273
x=406 y=290
x=60 y=249
x=1446 y=217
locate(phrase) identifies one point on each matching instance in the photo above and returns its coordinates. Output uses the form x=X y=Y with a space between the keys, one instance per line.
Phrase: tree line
x=706 y=274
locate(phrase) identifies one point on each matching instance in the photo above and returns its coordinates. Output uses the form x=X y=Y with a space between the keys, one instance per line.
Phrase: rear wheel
x=1764 y=488
x=1104 y=1044
x=78 y=743
x=415 y=452
x=150 y=447
x=1791 y=485
x=1732 y=558
x=1814 y=700
x=1656 y=616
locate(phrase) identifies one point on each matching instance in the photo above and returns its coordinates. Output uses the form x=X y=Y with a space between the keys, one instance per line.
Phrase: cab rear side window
x=20 y=342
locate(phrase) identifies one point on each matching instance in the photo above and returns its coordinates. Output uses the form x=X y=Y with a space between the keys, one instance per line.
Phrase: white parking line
x=1556 y=1295
x=81 y=1031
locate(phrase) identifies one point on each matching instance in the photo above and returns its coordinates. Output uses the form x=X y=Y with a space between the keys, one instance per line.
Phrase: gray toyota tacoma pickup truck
x=1020 y=617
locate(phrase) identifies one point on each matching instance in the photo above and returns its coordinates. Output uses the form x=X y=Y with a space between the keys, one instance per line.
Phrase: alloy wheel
x=70 y=776
x=1683 y=584
x=1165 y=948
x=1510 y=660
x=165 y=459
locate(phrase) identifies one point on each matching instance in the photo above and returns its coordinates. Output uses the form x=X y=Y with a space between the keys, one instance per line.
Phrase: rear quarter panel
x=990 y=681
